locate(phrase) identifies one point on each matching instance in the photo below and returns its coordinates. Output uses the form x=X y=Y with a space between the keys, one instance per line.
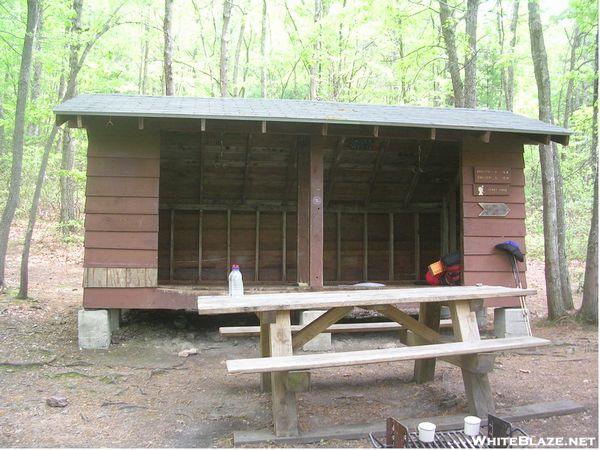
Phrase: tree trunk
x=33 y=129
x=168 y=50
x=510 y=70
x=67 y=183
x=589 y=304
x=263 y=52
x=24 y=277
x=448 y=25
x=14 y=190
x=471 y=56
x=563 y=261
x=314 y=67
x=571 y=82
x=238 y=53
x=224 y=63
x=556 y=306
x=143 y=72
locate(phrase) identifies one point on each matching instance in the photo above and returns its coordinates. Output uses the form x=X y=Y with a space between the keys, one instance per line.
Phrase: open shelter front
x=388 y=206
x=302 y=195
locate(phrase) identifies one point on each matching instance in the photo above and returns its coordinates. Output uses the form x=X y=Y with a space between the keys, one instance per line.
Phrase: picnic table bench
x=278 y=363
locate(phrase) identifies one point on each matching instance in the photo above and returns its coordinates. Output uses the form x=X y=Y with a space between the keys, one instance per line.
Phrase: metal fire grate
x=398 y=436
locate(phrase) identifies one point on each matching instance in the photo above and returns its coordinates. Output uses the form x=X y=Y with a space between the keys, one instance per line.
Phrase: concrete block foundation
x=510 y=322
x=320 y=343
x=95 y=326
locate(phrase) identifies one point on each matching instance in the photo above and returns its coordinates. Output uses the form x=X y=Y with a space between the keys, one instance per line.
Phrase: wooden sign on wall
x=492 y=175
x=491 y=189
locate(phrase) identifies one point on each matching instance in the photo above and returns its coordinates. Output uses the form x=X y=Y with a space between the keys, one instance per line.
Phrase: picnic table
x=278 y=364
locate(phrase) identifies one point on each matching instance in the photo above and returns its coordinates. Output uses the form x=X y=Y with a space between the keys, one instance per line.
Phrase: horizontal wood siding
x=138 y=298
x=482 y=262
x=121 y=223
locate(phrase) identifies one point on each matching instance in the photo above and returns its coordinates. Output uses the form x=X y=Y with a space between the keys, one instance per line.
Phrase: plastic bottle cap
x=235 y=267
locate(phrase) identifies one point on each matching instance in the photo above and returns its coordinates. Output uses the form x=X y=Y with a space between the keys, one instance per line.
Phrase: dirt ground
x=139 y=393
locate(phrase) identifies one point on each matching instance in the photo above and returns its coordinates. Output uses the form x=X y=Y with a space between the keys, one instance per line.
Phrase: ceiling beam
x=417 y=173
x=485 y=137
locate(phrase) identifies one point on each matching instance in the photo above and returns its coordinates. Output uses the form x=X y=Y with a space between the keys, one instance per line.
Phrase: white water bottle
x=236 y=284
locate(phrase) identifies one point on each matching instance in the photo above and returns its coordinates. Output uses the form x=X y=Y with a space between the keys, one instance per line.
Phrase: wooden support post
x=429 y=315
x=140 y=123
x=316 y=213
x=172 y=247
x=452 y=238
x=228 y=242
x=365 y=247
x=303 y=211
x=265 y=350
x=444 y=226
x=202 y=124
x=200 y=220
x=283 y=246
x=338 y=247
x=285 y=415
x=391 y=248
x=201 y=181
x=417 y=243
x=257 y=246
x=477 y=385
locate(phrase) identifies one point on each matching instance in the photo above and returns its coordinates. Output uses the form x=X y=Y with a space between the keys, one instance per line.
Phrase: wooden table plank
x=223 y=304
x=360 y=357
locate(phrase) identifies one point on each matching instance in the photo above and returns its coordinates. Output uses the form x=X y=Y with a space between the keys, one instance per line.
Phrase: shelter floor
x=140 y=393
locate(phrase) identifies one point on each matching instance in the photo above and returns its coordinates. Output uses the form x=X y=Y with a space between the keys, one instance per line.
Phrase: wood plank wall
x=121 y=223
x=223 y=198
x=482 y=263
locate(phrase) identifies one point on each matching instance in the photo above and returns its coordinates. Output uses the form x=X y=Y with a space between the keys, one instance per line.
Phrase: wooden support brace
x=338 y=248
x=265 y=346
x=477 y=385
x=365 y=247
x=172 y=247
x=202 y=124
x=257 y=246
x=429 y=315
x=283 y=246
x=200 y=220
x=319 y=325
x=285 y=415
x=140 y=123
x=391 y=248
x=417 y=246
x=228 y=242
x=263 y=127
x=432 y=133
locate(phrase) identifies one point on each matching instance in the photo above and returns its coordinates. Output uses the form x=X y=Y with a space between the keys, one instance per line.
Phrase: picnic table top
x=224 y=304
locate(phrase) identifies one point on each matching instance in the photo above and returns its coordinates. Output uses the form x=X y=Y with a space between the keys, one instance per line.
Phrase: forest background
x=366 y=51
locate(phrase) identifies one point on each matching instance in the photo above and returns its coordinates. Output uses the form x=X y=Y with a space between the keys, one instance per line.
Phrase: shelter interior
x=389 y=207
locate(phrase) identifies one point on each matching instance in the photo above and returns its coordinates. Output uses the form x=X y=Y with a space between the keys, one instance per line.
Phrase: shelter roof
x=305 y=111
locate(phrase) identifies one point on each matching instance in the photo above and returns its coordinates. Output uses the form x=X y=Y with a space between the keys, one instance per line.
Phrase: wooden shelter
x=300 y=194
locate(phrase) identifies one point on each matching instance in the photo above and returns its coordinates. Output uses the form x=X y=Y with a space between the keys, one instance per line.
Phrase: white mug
x=472 y=425
x=426 y=431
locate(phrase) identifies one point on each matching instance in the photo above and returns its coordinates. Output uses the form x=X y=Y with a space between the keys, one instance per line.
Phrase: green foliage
x=368 y=51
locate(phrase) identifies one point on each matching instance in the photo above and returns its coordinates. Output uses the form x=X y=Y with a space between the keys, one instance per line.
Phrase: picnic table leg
x=265 y=350
x=285 y=416
x=477 y=385
x=429 y=315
